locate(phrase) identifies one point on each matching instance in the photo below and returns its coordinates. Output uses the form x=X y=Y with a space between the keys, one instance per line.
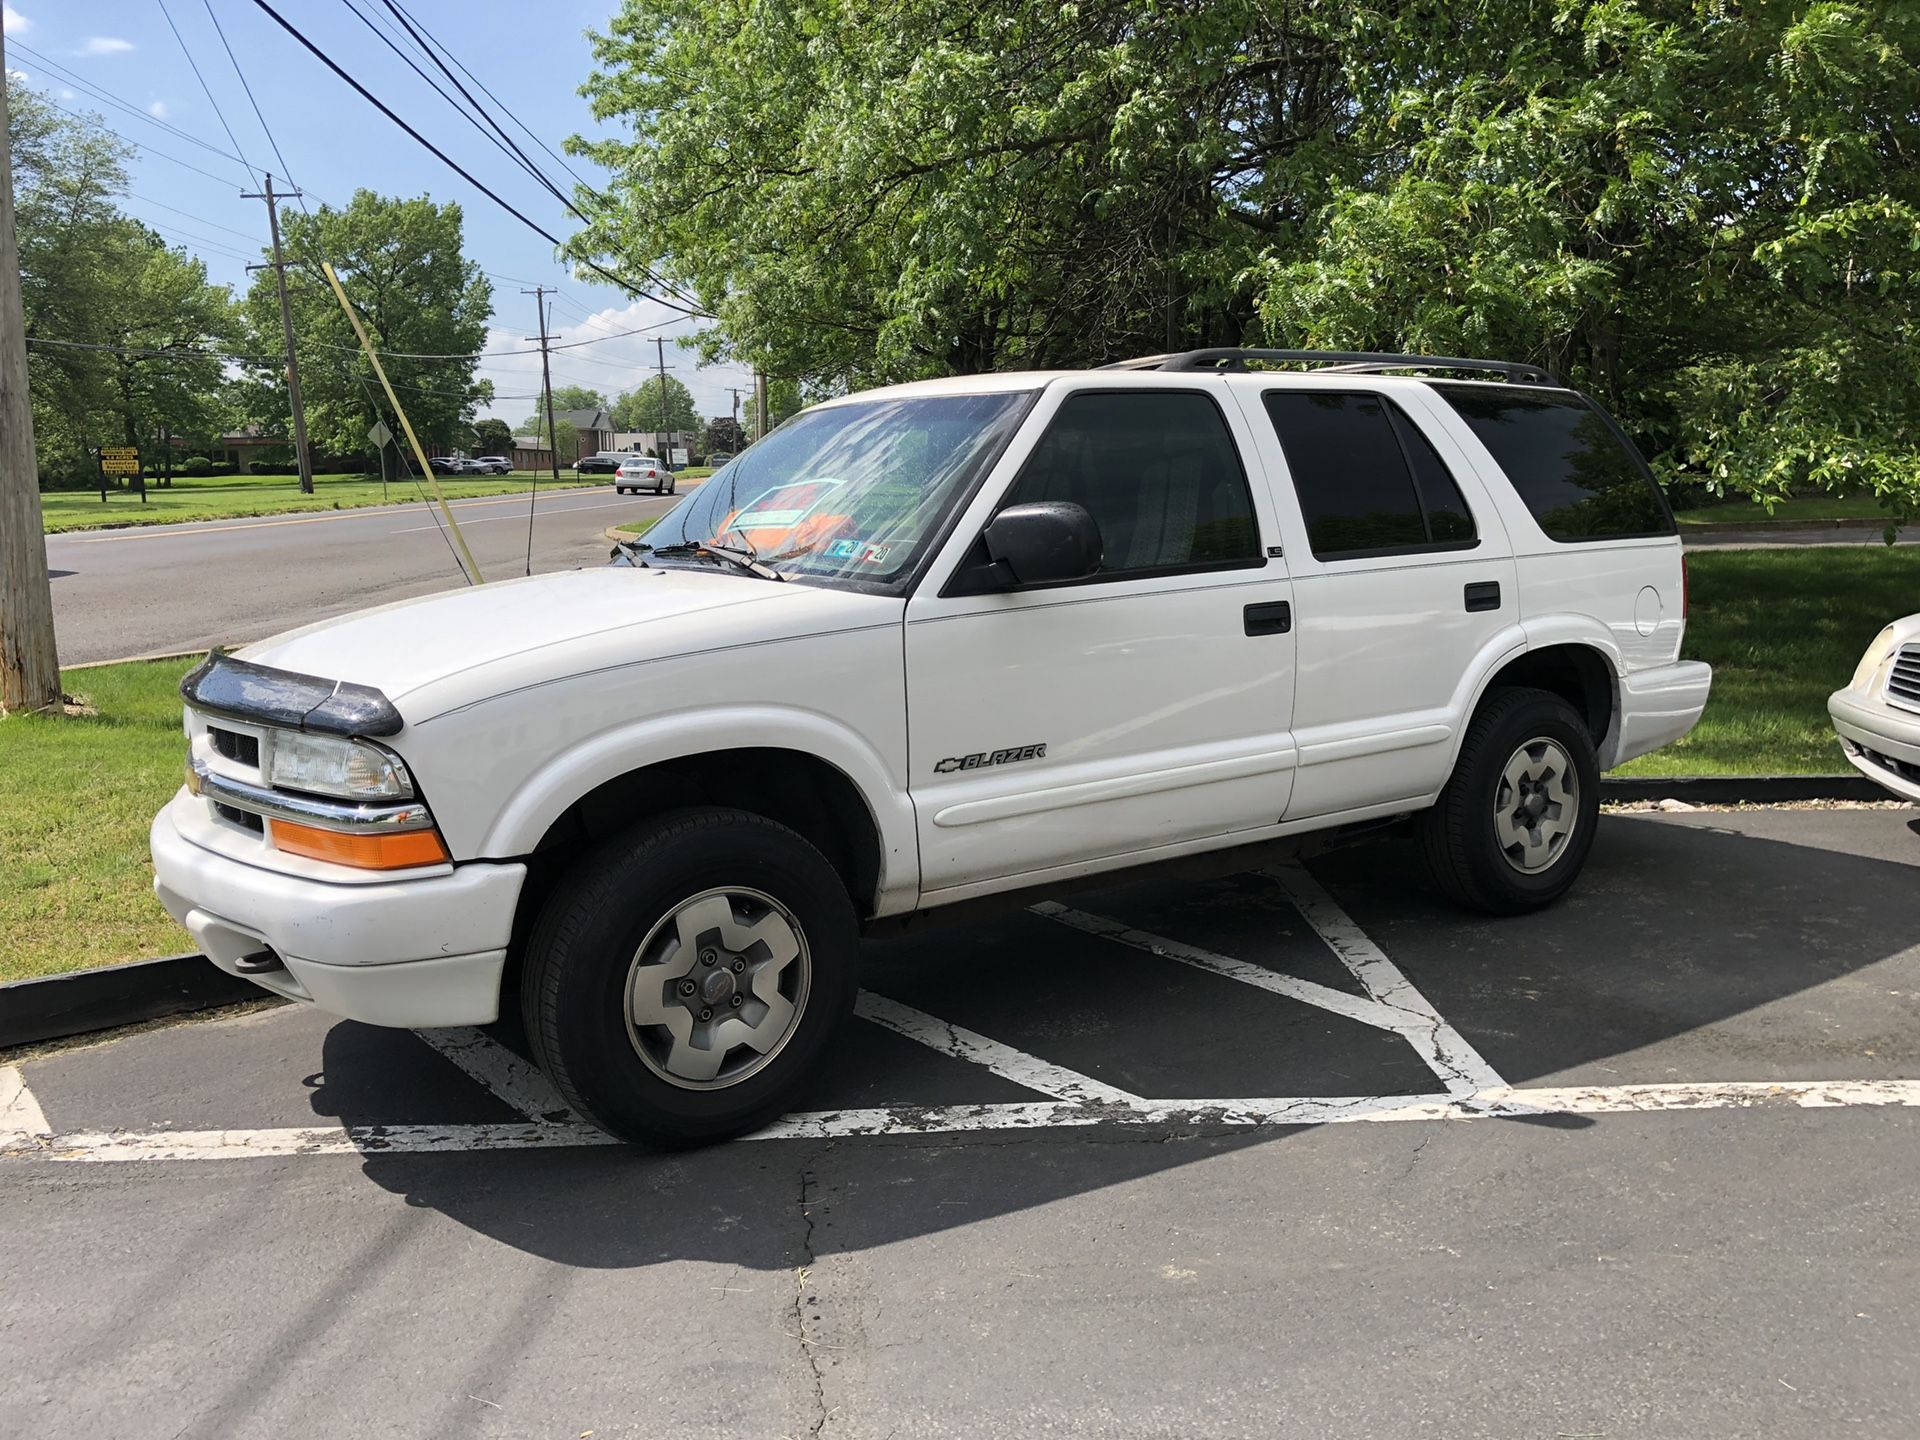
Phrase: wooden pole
x=29 y=662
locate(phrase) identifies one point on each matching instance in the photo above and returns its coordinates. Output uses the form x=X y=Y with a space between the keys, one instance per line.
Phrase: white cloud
x=105 y=45
x=16 y=23
x=158 y=109
x=610 y=366
x=68 y=95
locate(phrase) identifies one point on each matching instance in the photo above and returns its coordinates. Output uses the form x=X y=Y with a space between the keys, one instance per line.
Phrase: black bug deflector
x=223 y=685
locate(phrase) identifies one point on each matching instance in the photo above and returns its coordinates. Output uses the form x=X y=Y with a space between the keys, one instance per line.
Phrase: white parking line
x=1460 y=1067
x=1003 y=1060
x=1354 y=1007
x=510 y=1078
x=370 y=1141
x=20 y=1117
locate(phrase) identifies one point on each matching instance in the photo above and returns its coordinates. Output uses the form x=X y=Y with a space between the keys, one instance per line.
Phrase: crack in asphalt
x=801 y=1274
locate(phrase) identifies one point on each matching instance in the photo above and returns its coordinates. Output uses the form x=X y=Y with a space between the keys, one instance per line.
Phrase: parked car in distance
x=642 y=472
x=494 y=465
x=719 y=458
x=444 y=464
x=1877 y=715
x=604 y=463
x=926 y=644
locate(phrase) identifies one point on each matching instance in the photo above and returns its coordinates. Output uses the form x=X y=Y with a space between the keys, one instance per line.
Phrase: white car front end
x=1877 y=716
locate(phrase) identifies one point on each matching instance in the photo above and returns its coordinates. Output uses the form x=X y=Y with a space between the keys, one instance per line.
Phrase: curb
x=1741 y=789
x=1741 y=527
x=55 y=1007
x=139 y=659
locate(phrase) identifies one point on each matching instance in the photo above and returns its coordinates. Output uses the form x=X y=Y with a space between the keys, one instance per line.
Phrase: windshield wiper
x=744 y=559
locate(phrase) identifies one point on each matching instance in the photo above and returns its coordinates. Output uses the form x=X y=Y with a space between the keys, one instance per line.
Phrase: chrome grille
x=1903 y=685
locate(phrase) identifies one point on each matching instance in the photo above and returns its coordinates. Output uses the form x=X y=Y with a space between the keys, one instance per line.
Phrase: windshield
x=851 y=492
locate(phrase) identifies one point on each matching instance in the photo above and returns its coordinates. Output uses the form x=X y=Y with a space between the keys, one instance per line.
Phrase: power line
x=100 y=92
x=448 y=160
x=265 y=129
x=219 y=114
x=98 y=123
x=149 y=200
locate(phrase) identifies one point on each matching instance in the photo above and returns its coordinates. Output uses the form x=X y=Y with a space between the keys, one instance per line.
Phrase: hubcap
x=1536 y=805
x=717 y=988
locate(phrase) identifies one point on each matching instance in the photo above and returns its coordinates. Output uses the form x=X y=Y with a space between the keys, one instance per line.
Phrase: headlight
x=334 y=765
x=1878 y=653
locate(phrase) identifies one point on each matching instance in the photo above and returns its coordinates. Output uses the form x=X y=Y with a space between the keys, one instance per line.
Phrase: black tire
x=583 y=947
x=1458 y=839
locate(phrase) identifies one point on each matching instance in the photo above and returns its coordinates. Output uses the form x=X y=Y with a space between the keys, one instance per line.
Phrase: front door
x=1142 y=707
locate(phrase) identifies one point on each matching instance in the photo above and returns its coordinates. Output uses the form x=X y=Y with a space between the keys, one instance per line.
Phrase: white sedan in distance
x=1878 y=715
x=643 y=472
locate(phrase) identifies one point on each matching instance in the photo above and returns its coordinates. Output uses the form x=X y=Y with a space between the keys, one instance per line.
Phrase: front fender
x=530 y=810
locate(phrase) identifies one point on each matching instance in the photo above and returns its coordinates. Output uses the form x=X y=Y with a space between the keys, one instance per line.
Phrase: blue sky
x=534 y=57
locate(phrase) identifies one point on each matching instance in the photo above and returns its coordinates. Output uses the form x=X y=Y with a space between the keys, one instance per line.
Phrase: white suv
x=983 y=635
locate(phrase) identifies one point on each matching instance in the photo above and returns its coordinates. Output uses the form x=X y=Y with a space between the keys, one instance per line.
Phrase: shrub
x=196 y=465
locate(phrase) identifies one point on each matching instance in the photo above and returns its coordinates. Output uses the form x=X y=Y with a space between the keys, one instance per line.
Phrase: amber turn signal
x=372 y=851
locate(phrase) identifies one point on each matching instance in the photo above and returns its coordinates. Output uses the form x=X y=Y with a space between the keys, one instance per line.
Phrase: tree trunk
x=29 y=663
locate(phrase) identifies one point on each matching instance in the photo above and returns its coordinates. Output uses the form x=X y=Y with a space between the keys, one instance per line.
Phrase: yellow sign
x=119 y=460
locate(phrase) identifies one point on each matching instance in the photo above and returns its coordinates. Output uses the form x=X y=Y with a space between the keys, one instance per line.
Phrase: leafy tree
x=66 y=172
x=567 y=450
x=724 y=433
x=1706 y=212
x=425 y=306
x=914 y=190
x=639 y=408
x=493 y=437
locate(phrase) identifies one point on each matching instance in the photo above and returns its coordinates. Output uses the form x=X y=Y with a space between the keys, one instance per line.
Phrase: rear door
x=1403 y=577
x=1140 y=708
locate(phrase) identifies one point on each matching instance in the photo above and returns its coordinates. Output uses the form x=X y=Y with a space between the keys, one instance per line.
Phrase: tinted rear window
x=1573 y=470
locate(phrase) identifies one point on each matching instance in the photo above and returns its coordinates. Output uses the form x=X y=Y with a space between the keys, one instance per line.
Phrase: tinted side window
x=1576 y=474
x=1368 y=481
x=1158 y=472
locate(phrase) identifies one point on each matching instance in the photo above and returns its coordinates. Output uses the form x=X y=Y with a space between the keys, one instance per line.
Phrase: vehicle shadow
x=1680 y=956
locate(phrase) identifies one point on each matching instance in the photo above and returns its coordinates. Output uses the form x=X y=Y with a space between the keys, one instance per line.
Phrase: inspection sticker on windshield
x=843 y=549
x=874 y=554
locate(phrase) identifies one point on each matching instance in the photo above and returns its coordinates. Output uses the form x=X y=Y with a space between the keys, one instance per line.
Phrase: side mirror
x=1046 y=540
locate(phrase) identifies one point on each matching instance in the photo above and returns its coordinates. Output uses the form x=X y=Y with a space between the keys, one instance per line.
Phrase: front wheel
x=1512 y=829
x=684 y=985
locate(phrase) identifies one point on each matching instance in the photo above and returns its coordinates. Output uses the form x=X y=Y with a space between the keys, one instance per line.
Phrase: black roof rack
x=1235 y=358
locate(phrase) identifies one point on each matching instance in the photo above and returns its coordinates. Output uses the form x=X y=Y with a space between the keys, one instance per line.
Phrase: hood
x=552 y=624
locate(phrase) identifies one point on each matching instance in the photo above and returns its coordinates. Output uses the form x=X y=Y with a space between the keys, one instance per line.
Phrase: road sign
x=380 y=435
x=119 y=460
x=676 y=457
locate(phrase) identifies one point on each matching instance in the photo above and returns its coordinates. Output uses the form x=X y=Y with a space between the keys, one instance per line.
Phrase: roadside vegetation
x=1782 y=628
x=1814 y=509
x=225 y=496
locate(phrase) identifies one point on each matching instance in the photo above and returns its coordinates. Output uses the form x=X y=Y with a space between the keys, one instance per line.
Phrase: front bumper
x=1879 y=741
x=1657 y=707
x=421 y=952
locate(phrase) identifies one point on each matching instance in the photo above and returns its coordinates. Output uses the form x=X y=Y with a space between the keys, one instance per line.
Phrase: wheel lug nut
x=707 y=957
x=687 y=987
x=738 y=966
x=735 y=1002
x=706 y=1014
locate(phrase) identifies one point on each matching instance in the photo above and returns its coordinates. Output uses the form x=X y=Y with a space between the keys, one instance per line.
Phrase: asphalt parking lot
x=1293 y=1152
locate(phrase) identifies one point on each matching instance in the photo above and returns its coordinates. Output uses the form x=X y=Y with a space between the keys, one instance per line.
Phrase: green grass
x=76 y=797
x=220 y=497
x=1782 y=629
x=1799 y=510
x=639 y=527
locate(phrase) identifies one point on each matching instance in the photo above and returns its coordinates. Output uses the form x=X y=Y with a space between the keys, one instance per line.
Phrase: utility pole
x=735 y=393
x=539 y=293
x=760 y=405
x=29 y=664
x=279 y=268
x=660 y=353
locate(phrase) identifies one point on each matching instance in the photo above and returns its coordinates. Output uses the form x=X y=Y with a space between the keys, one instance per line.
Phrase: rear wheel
x=1511 y=830
x=684 y=985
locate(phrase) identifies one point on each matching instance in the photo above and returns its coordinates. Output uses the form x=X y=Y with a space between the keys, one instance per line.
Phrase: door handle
x=1275 y=617
x=1483 y=595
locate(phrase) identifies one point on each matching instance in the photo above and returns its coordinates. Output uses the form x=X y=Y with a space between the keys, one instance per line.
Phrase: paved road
x=140 y=591
x=340 y=1233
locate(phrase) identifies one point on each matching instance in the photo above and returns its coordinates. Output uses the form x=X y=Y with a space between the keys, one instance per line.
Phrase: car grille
x=241 y=749
x=1903 y=685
